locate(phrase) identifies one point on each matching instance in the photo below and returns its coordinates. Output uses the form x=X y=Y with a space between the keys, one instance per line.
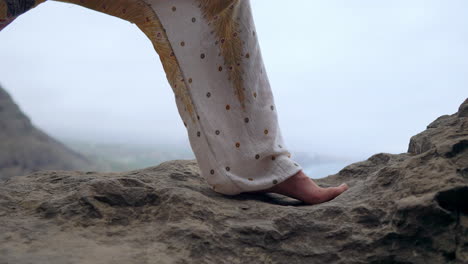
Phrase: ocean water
x=317 y=171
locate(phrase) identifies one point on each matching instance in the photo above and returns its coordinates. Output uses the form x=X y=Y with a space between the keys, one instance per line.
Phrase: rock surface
x=401 y=208
x=24 y=148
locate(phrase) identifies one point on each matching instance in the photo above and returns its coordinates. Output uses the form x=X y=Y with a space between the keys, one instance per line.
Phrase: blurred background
x=350 y=79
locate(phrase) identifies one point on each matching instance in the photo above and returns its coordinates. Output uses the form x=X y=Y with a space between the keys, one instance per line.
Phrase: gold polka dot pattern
x=204 y=84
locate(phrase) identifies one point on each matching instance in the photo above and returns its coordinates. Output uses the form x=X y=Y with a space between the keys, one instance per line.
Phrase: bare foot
x=303 y=188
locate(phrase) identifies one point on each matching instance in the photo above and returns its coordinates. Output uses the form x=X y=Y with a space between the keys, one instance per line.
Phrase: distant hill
x=115 y=157
x=24 y=148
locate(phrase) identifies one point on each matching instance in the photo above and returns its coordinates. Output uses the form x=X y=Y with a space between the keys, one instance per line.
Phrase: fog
x=350 y=78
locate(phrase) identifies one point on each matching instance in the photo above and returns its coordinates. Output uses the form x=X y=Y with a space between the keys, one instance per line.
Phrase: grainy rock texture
x=24 y=148
x=400 y=208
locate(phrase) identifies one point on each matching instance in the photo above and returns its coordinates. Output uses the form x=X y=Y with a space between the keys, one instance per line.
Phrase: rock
x=400 y=208
x=445 y=131
x=463 y=110
x=24 y=148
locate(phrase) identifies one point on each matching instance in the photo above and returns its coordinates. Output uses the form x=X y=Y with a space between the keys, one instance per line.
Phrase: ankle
x=300 y=175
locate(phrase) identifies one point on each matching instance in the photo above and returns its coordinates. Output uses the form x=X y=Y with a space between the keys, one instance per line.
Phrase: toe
x=344 y=186
x=333 y=192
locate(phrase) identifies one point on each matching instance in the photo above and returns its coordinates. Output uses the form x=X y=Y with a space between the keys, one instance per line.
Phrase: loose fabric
x=210 y=53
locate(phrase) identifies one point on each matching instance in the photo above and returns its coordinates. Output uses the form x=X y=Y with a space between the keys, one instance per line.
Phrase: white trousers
x=210 y=53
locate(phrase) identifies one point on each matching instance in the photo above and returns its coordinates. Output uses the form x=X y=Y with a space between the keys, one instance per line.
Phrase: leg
x=212 y=60
x=236 y=137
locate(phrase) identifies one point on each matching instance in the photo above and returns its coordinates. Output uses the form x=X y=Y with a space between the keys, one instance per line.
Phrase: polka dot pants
x=210 y=53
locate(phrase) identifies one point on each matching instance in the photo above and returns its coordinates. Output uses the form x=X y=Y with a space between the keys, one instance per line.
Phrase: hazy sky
x=350 y=78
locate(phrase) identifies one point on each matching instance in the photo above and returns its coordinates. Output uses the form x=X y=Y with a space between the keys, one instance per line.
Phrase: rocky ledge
x=401 y=208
